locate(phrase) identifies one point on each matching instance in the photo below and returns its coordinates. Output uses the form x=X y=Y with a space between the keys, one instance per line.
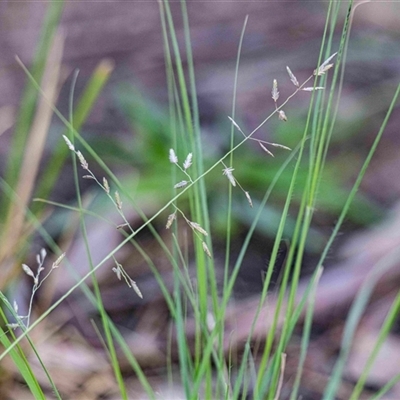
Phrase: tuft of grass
x=207 y=359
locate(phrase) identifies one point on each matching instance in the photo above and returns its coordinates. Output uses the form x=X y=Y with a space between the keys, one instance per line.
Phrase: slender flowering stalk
x=37 y=283
x=262 y=143
x=116 y=199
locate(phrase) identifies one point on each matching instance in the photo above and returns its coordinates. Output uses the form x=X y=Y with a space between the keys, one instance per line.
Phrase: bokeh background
x=128 y=128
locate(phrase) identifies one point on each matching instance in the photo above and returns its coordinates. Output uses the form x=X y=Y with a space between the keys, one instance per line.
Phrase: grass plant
x=209 y=366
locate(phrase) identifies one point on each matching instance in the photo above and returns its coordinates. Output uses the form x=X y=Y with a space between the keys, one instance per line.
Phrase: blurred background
x=128 y=128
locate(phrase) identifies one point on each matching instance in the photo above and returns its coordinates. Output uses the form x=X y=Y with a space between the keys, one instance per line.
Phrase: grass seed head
x=228 y=173
x=280 y=145
x=236 y=126
x=180 y=184
x=43 y=254
x=265 y=149
x=311 y=88
x=28 y=271
x=106 y=185
x=282 y=116
x=275 y=92
x=249 y=199
x=325 y=66
x=118 y=200
x=135 y=287
x=188 y=161
x=292 y=77
x=170 y=220
x=198 y=228
x=57 y=263
x=82 y=160
x=117 y=271
x=206 y=250
x=120 y=226
x=69 y=144
x=172 y=156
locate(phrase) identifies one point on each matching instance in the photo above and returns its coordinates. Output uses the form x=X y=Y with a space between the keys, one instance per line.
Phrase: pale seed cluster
x=185 y=166
x=37 y=283
x=116 y=200
x=121 y=273
x=197 y=229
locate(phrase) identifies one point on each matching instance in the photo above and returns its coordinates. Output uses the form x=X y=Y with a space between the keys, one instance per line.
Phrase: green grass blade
x=305 y=340
x=354 y=317
x=20 y=361
x=385 y=330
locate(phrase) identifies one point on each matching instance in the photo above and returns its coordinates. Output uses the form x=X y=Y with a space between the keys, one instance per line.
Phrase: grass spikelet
x=198 y=228
x=170 y=220
x=120 y=226
x=172 y=157
x=41 y=256
x=135 y=287
x=311 y=89
x=292 y=77
x=325 y=66
x=57 y=263
x=118 y=200
x=180 y=184
x=228 y=173
x=106 y=185
x=265 y=149
x=282 y=116
x=236 y=126
x=69 y=144
x=275 y=92
x=28 y=271
x=280 y=146
x=249 y=198
x=121 y=273
x=188 y=161
x=206 y=250
x=84 y=163
x=117 y=272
